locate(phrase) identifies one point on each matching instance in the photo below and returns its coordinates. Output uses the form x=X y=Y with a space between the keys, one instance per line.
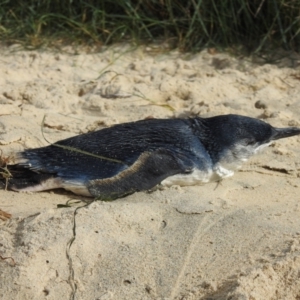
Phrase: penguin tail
x=20 y=178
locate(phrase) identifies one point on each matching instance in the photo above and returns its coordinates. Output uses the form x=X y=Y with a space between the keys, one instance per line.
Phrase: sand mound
x=273 y=281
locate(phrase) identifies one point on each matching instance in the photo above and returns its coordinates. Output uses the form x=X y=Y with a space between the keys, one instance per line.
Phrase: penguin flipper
x=149 y=170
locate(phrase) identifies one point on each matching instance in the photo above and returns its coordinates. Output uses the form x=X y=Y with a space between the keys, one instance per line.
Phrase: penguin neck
x=207 y=137
x=210 y=140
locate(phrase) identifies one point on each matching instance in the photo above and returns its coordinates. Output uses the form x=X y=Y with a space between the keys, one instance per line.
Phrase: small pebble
x=260 y=104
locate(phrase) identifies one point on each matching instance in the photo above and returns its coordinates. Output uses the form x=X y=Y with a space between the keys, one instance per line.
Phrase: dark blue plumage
x=124 y=143
x=136 y=156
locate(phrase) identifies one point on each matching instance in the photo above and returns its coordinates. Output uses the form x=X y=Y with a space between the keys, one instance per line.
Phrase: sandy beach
x=239 y=239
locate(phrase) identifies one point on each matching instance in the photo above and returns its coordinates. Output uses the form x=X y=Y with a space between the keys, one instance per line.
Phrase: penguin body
x=131 y=157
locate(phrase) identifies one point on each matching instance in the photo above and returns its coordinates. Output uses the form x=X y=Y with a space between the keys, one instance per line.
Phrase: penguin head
x=233 y=139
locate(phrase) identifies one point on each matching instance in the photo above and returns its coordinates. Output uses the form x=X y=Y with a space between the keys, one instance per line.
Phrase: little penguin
x=117 y=161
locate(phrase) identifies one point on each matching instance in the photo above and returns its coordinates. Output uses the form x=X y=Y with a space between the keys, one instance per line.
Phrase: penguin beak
x=281 y=133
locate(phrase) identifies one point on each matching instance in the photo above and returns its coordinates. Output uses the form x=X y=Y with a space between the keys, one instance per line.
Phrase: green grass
x=189 y=25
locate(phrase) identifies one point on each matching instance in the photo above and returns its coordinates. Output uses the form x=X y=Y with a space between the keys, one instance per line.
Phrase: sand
x=236 y=240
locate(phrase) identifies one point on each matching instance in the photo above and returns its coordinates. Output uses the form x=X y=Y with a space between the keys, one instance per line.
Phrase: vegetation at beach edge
x=189 y=25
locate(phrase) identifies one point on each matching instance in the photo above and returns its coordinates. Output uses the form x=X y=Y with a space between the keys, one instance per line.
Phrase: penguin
x=126 y=158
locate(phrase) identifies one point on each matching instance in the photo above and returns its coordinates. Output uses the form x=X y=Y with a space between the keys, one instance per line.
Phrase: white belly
x=198 y=176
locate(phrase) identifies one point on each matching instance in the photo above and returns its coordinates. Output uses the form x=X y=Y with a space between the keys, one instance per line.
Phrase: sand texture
x=239 y=239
